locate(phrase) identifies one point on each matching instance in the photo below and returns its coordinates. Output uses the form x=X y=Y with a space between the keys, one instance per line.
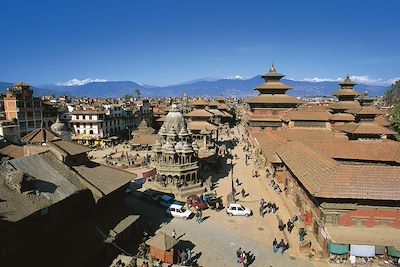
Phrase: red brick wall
x=371 y=217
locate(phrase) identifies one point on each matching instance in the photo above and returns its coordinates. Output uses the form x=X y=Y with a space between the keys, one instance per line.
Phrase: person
x=189 y=254
x=262 y=211
x=281 y=246
x=273 y=207
x=174 y=234
x=197 y=216
x=268 y=208
x=352 y=260
x=200 y=216
x=275 y=246
x=158 y=263
x=243 y=193
x=245 y=260
x=183 y=257
x=178 y=256
x=239 y=254
x=281 y=225
x=237 y=182
x=290 y=225
x=262 y=202
x=302 y=233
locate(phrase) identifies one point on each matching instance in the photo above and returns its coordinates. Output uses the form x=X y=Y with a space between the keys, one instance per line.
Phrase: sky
x=168 y=42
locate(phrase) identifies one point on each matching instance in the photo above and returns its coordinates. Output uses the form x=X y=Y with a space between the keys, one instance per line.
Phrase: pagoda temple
x=346 y=96
x=363 y=126
x=268 y=108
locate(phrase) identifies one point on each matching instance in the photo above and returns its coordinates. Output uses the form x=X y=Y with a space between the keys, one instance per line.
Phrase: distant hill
x=208 y=88
x=4 y=86
x=96 y=89
x=36 y=91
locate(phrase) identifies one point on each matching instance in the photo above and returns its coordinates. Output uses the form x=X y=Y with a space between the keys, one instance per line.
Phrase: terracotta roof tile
x=385 y=150
x=363 y=128
x=274 y=86
x=199 y=102
x=199 y=113
x=312 y=170
x=342 y=117
x=382 y=121
x=12 y=151
x=148 y=139
x=69 y=147
x=296 y=134
x=344 y=105
x=363 y=182
x=40 y=135
x=201 y=125
x=277 y=98
x=300 y=115
x=365 y=111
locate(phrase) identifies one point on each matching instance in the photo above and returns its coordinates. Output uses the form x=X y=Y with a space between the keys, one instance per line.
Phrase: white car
x=238 y=210
x=178 y=211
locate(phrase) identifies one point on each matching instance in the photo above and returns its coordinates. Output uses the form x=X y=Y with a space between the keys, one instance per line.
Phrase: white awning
x=362 y=250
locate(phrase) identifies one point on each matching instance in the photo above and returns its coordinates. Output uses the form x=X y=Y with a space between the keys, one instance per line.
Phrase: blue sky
x=167 y=42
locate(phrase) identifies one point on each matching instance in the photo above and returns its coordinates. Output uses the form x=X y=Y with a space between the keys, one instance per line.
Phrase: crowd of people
x=269 y=207
x=244 y=258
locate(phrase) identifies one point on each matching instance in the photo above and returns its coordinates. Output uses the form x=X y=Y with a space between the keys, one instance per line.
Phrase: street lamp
x=129 y=132
x=233 y=190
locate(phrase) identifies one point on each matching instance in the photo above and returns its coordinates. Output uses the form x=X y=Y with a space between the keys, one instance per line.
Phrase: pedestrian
x=197 y=216
x=273 y=207
x=237 y=182
x=245 y=260
x=174 y=234
x=200 y=216
x=243 y=193
x=239 y=254
x=262 y=211
x=178 y=256
x=189 y=254
x=352 y=260
x=281 y=225
x=262 y=202
x=302 y=233
x=290 y=225
x=275 y=246
x=183 y=257
x=281 y=246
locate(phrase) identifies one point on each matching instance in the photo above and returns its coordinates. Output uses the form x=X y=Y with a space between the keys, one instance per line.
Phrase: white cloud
x=235 y=77
x=318 y=80
x=77 y=82
x=364 y=79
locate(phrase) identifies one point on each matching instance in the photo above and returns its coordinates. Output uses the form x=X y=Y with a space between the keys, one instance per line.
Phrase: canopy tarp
x=392 y=251
x=362 y=250
x=162 y=241
x=338 y=248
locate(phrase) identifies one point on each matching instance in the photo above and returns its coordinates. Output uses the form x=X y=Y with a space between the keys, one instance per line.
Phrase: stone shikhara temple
x=175 y=156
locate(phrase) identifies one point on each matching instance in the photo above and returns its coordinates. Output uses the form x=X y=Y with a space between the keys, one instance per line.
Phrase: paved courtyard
x=219 y=236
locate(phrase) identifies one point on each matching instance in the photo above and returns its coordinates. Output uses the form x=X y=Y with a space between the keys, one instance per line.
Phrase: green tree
x=138 y=93
x=127 y=97
x=392 y=95
x=395 y=117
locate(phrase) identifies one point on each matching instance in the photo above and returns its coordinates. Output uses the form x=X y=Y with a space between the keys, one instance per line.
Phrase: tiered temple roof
x=346 y=95
x=272 y=97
